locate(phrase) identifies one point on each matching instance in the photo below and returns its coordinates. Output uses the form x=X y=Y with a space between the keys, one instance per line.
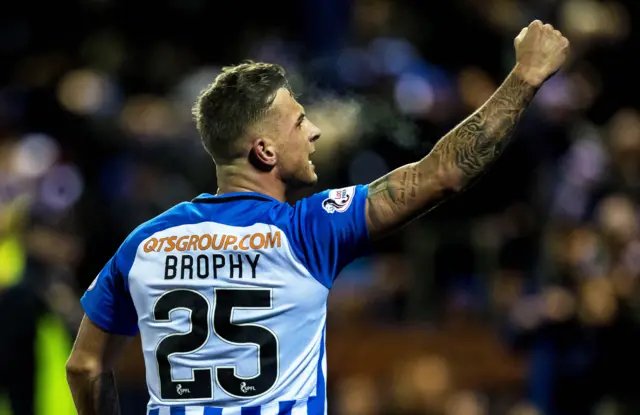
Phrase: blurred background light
x=62 y=187
x=86 y=92
x=414 y=95
x=34 y=155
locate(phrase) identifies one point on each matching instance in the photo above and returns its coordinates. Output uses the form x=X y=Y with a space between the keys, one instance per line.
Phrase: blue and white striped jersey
x=229 y=294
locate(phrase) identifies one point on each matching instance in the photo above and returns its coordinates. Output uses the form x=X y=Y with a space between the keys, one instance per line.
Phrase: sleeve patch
x=93 y=284
x=339 y=200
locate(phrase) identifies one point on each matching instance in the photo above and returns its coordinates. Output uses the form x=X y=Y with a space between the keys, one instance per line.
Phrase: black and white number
x=226 y=301
x=200 y=385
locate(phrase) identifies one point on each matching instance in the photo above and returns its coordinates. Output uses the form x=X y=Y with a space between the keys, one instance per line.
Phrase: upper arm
x=95 y=350
x=109 y=322
x=404 y=194
x=107 y=301
x=331 y=230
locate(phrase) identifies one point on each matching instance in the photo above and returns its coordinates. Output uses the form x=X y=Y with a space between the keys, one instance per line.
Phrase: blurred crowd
x=518 y=297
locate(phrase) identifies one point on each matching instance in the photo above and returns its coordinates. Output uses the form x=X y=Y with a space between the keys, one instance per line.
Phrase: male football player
x=229 y=291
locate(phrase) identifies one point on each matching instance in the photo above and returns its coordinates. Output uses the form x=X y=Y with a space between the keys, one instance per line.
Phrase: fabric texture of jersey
x=229 y=294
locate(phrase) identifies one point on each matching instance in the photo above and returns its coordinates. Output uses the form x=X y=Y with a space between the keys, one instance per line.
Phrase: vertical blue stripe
x=286 y=407
x=315 y=405
x=250 y=410
x=212 y=411
x=154 y=412
x=177 y=410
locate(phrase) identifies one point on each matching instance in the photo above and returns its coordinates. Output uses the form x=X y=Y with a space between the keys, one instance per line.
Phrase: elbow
x=79 y=367
x=450 y=181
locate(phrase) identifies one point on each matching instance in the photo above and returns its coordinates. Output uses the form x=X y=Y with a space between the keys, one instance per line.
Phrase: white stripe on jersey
x=300 y=408
x=270 y=409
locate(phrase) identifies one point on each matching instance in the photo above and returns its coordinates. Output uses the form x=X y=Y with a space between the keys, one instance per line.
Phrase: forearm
x=94 y=395
x=455 y=162
x=474 y=145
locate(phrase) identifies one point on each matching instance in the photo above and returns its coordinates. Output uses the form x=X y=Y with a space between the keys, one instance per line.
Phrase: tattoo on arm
x=389 y=196
x=455 y=162
x=477 y=142
x=378 y=191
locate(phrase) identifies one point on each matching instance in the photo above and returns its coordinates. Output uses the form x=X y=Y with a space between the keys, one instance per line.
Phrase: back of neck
x=233 y=178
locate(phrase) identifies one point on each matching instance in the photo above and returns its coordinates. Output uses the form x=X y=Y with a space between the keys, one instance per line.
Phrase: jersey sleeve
x=332 y=230
x=108 y=303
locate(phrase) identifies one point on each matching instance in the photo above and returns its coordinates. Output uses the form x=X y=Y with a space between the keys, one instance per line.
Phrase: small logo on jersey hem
x=181 y=391
x=339 y=200
x=244 y=388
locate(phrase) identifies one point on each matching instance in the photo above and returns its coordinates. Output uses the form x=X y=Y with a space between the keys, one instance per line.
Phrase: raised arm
x=466 y=152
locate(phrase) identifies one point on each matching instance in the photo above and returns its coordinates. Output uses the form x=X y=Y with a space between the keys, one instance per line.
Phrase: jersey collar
x=231 y=197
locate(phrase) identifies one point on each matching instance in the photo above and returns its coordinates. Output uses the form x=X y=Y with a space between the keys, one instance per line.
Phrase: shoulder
x=184 y=213
x=330 y=229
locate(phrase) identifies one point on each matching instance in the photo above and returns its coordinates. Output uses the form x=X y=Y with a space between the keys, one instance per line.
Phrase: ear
x=263 y=154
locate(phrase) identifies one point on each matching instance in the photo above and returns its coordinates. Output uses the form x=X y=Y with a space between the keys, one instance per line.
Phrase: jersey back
x=229 y=295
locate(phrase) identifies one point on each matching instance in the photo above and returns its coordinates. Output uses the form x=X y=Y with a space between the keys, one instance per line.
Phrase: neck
x=245 y=178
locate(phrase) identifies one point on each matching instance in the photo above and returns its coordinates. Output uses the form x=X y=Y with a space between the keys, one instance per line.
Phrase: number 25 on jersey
x=200 y=386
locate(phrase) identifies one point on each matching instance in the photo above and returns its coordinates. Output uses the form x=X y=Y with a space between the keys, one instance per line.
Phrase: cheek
x=289 y=158
x=297 y=148
x=294 y=151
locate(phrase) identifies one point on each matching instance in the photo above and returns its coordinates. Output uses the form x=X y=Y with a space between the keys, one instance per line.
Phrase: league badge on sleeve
x=339 y=200
x=93 y=284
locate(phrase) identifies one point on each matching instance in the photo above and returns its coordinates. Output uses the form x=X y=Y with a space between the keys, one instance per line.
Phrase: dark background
x=518 y=297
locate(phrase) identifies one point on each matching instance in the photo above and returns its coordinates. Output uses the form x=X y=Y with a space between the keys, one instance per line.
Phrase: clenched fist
x=540 y=52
